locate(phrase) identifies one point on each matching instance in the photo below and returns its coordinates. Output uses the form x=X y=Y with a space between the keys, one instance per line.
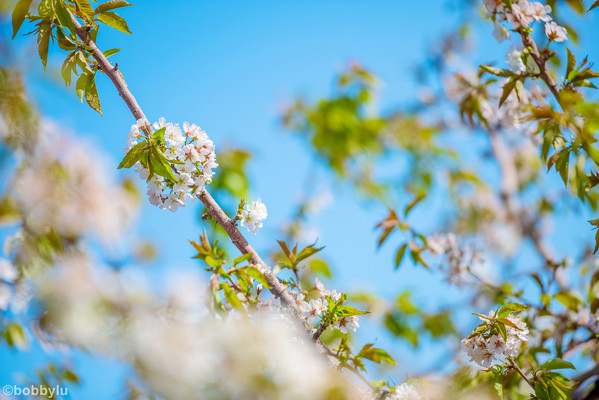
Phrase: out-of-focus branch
x=509 y=174
x=215 y=211
x=509 y=190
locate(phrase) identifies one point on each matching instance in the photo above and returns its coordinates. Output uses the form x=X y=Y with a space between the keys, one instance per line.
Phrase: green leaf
x=412 y=204
x=571 y=62
x=70 y=376
x=242 y=258
x=509 y=323
x=63 y=16
x=497 y=71
x=161 y=167
x=91 y=94
x=586 y=74
x=81 y=85
x=308 y=251
x=399 y=255
x=111 y=5
x=561 y=165
x=231 y=297
x=64 y=42
x=158 y=136
x=67 y=68
x=257 y=275
x=557 y=364
x=507 y=89
x=568 y=299
x=553 y=159
x=541 y=390
x=319 y=266
x=110 y=52
x=14 y=335
x=503 y=331
x=114 y=21
x=584 y=83
x=86 y=9
x=285 y=249
x=375 y=355
x=346 y=311
x=511 y=309
x=217 y=303
x=42 y=47
x=133 y=155
x=18 y=15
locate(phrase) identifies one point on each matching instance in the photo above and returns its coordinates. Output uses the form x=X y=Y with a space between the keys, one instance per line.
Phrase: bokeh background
x=233 y=68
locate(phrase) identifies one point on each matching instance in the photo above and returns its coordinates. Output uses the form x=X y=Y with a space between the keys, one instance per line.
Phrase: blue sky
x=230 y=67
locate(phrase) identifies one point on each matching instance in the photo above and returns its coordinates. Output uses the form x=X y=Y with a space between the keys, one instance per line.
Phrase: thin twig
x=323 y=327
x=522 y=374
x=527 y=41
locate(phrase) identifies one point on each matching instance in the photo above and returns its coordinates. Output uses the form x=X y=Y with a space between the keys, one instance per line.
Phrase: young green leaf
x=114 y=21
x=91 y=94
x=110 y=52
x=81 y=85
x=557 y=364
x=257 y=275
x=133 y=155
x=42 y=47
x=67 y=68
x=111 y=5
x=161 y=167
x=63 y=16
x=399 y=255
x=85 y=9
x=18 y=15
x=510 y=309
x=346 y=311
x=308 y=251
x=571 y=62
x=231 y=297
x=497 y=71
x=507 y=89
x=242 y=258
x=375 y=355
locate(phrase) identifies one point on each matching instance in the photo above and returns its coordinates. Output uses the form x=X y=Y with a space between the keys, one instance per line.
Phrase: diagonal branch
x=215 y=211
x=541 y=62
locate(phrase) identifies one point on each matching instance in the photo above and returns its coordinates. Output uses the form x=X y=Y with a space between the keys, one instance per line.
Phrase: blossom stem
x=527 y=41
x=522 y=374
x=321 y=328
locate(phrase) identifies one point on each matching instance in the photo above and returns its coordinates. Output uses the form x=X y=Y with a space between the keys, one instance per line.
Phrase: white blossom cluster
x=487 y=346
x=253 y=215
x=512 y=114
x=180 y=357
x=459 y=259
x=404 y=391
x=194 y=156
x=65 y=187
x=314 y=308
x=522 y=15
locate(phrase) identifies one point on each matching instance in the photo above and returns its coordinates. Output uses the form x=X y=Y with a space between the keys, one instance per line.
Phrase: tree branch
x=522 y=374
x=527 y=41
x=214 y=210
